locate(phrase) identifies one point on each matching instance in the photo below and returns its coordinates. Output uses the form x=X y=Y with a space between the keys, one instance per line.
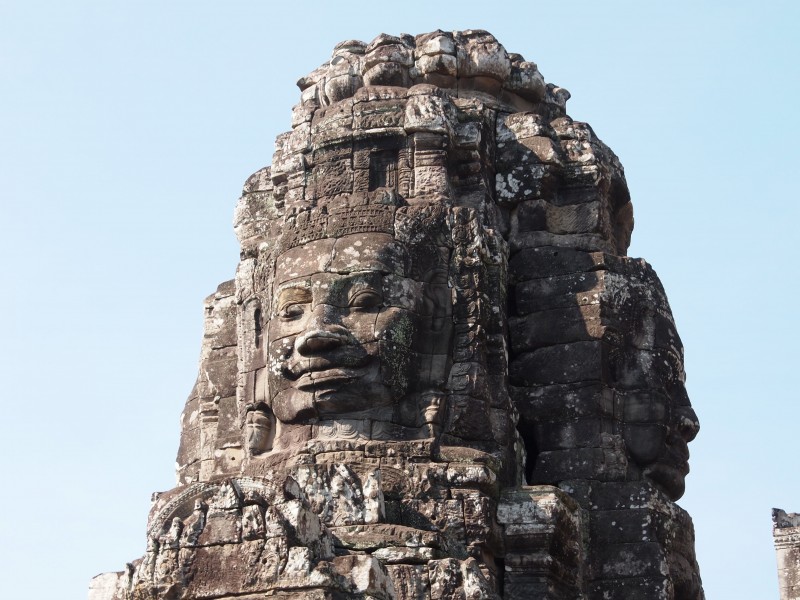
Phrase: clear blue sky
x=127 y=129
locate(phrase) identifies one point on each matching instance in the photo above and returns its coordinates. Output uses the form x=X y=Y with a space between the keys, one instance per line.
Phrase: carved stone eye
x=366 y=300
x=292 y=302
x=291 y=310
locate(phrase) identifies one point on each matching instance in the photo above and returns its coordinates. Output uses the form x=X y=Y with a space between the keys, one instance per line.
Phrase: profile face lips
x=670 y=473
x=670 y=469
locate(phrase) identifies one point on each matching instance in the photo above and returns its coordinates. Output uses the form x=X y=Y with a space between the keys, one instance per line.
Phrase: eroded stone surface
x=786 y=534
x=436 y=374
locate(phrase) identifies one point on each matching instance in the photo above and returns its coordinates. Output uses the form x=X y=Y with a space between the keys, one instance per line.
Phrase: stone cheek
x=436 y=374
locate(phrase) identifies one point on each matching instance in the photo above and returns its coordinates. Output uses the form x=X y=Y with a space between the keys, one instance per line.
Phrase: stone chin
x=662 y=454
x=671 y=478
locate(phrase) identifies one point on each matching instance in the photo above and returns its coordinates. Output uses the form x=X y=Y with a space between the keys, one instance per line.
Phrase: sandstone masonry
x=786 y=534
x=436 y=374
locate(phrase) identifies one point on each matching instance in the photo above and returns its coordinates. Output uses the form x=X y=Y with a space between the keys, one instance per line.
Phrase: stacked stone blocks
x=502 y=416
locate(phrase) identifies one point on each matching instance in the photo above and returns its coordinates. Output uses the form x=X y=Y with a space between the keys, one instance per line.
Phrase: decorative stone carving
x=435 y=375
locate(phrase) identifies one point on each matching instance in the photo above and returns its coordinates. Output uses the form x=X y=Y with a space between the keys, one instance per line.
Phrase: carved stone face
x=659 y=424
x=350 y=334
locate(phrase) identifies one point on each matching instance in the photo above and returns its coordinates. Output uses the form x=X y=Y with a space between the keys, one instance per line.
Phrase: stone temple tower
x=436 y=374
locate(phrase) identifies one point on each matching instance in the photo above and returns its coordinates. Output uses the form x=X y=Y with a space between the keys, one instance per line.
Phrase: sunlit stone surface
x=436 y=375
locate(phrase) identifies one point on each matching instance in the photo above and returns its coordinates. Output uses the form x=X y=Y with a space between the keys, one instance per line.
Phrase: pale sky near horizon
x=128 y=128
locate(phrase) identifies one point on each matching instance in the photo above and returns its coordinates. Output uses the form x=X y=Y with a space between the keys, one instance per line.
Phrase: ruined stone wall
x=786 y=534
x=503 y=416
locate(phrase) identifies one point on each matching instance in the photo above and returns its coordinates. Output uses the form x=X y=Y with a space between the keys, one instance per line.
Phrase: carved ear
x=437 y=301
x=259 y=429
x=251 y=334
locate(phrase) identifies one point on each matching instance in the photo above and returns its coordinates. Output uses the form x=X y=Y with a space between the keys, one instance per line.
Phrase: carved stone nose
x=320 y=341
x=688 y=424
x=323 y=332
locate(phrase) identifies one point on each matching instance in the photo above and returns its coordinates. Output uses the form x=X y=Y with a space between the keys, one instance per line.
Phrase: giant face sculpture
x=659 y=424
x=352 y=336
x=657 y=416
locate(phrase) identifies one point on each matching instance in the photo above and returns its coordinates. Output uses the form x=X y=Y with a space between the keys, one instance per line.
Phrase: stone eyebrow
x=299 y=294
x=380 y=267
x=359 y=284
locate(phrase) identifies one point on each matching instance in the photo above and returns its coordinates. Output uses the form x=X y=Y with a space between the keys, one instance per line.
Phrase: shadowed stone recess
x=435 y=375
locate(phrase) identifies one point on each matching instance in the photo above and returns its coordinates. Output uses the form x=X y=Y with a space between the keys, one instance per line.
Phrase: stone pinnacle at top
x=470 y=63
x=436 y=375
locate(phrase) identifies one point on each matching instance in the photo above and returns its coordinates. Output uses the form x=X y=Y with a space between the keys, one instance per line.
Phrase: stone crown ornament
x=436 y=375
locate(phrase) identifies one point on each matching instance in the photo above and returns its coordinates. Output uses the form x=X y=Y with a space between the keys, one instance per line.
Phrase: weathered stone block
x=640 y=559
x=658 y=588
x=536 y=215
x=574 y=289
x=525 y=183
x=556 y=326
x=535 y=263
x=564 y=363
x=602 y=464
x=409 y=581
x=544 y=547
x=379 y=114
x=470 y=417
x=366 y=575
x=563 y=435
x=624 y=495
x=624 y=526
x=430 y=309
x=221 y=528
x=332 y=178
x=563 y=401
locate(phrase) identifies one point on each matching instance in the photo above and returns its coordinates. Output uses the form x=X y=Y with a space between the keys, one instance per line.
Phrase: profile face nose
x=323 y=333
x=688 y=424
